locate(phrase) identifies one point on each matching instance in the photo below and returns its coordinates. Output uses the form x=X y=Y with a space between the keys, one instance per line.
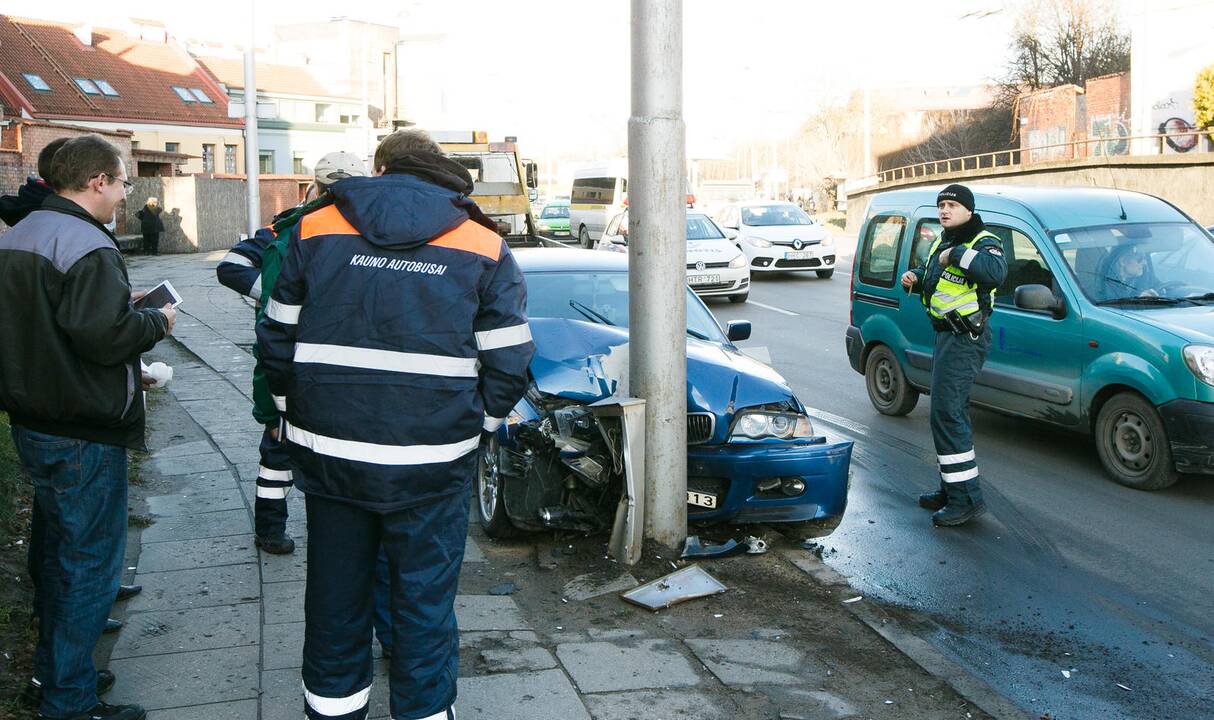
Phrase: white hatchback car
x=715 y=268
x=779 y=236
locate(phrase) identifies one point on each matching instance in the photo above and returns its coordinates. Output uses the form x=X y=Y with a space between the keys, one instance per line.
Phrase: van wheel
x=887 y=387
x=825 y=274
x=583 y=237
x=1133 y=444
x=491 y=511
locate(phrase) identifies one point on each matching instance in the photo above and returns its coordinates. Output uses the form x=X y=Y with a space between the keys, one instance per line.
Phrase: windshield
x=491 y=172
x=765 y=215
x=699 y=227
x=555 y=211
x=1147 y=260
x=605 y=294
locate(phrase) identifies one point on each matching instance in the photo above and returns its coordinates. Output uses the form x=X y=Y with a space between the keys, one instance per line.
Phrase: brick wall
x=1108 y=114
x=1050 y=117
x=280 y=192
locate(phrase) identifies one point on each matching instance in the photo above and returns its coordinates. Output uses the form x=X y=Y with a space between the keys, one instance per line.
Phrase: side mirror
x=1039 y=298
x=737 y=330
x=730 y=227
x=532 y=175
x=619 y=239
x=731 y=233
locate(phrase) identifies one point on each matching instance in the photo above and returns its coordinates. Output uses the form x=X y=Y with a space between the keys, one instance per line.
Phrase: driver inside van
x=1128 y=274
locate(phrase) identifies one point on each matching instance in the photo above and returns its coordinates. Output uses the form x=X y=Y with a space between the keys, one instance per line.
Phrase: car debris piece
x=1123 y=687
x=592 y=585
x=506 y=588
x=755 y=545
x=687 y=584
x=693 y=548
x=856 y=599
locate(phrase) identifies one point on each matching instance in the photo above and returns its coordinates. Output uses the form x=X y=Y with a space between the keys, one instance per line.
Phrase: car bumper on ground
x=1190 y=425
x=782 y=258
x=732 y=474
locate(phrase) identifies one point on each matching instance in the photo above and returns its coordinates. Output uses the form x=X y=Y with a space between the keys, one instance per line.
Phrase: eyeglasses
x=127 y=186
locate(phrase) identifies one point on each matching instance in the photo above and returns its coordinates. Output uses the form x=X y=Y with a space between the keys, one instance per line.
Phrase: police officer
x=251 y=268
x=957 y=284
x=395 y=336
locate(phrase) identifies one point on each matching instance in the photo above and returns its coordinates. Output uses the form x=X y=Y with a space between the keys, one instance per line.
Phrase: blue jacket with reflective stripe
x=240 y=269
x=395 y=334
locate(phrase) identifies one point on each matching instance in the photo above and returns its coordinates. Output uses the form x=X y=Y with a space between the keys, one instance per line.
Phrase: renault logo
x=797 y=244
x=699 y=265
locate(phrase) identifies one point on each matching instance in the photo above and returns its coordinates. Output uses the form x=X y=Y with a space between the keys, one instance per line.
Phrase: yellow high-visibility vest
x=954 y=292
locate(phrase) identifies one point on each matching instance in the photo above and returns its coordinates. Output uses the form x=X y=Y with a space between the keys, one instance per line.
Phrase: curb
x=919 y=650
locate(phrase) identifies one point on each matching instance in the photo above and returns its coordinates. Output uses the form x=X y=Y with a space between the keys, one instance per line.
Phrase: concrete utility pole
x=252 y=157
x=657 y=256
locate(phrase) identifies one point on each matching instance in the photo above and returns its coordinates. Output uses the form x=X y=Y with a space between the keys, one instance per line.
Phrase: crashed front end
x=570 y=455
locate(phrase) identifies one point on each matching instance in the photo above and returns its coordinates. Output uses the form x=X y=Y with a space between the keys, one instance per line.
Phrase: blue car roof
x=1055 y=208
x=561 y=259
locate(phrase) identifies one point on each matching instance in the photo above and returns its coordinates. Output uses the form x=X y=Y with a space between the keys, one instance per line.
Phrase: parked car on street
x=715 y=268
x=779 y=236
x=1104 y=325
x=554 y=220
x=560 y=460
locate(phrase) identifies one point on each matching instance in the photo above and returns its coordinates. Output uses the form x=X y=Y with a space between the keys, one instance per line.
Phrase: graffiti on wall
x=1172 y=116
x=1040 y=138
x=1115 y=127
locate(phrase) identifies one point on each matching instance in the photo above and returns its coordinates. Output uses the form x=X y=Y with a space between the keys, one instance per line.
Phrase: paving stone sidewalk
x=218 y=631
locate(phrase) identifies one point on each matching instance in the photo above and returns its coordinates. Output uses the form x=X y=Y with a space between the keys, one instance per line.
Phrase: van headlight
x=758 y=425
x=1200 y=359
x=738 y=262
x=756 y=241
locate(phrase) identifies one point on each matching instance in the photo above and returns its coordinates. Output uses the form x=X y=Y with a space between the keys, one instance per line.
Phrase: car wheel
x=825 y=274
x=583 y=237
x=1133 y=444
x=798 y=531
x=490 y=508
x=739 y=298
x=888 y=390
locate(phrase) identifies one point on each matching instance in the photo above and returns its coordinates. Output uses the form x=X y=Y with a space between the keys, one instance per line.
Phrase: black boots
x=275 y=545
x=933 y=500
x=963 y=502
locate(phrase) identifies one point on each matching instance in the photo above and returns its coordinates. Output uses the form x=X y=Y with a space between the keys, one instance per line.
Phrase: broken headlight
x=750 y=425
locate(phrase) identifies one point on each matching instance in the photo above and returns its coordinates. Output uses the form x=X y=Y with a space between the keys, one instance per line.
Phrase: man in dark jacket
x=150 y=225
x=957 y=283
x=395 y=336
x=14 y=208
x=70 y=381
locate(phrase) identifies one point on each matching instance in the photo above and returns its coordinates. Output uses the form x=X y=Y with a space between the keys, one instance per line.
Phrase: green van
x=1104 y=325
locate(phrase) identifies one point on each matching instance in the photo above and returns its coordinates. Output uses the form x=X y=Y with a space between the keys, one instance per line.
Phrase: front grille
x=700 y=427
x=692 y=266
x=789 y=243
x=712 y=286
x=809 y=263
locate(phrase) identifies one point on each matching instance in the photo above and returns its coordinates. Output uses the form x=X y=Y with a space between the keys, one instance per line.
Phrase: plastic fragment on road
x=687 y=584
x=856 y=599
x=1066 y=674
x=506 y=588
x=592 y=585
x=693 y=548
x=1123 y=687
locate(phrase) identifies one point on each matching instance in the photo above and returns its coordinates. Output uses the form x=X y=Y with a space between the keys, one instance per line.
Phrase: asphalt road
x=1067 y=571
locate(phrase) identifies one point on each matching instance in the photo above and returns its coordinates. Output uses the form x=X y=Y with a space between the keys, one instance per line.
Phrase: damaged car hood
x=588 y=362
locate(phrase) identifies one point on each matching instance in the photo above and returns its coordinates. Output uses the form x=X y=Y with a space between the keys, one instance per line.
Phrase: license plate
x=798 y=255
x=699 y=499
x=703 y=279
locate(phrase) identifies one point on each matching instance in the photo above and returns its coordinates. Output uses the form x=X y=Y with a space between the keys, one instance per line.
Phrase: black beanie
x=959 y=194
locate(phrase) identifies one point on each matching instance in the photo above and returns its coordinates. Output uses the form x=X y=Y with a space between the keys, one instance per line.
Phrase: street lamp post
x=252 y=156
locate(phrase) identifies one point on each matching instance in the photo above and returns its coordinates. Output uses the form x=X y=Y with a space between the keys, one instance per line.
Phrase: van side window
x=1025 y=265
x=592 y=191
x=879 y=263
x=925 y=234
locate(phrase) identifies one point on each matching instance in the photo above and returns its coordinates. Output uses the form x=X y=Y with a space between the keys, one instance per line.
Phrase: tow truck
x=498 y=177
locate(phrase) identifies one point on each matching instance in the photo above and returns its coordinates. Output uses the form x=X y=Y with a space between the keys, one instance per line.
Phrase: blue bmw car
x=561 y=459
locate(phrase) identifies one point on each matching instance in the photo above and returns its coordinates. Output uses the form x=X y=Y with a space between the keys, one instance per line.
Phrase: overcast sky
x=557 y=72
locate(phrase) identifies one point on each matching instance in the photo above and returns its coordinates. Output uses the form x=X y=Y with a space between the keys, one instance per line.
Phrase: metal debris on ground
x=693 y=548
x=687 y=584
x=1123 y=687
x=856 y=599
x=755 y=545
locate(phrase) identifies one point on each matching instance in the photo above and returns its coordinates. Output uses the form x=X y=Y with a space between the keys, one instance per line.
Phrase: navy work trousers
x=956 y=361
x=80 y=494
x=274 y=482
x=424 y=547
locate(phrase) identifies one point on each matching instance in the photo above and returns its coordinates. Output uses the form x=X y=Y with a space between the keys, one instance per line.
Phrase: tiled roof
x=143 y=73
x=271 y=78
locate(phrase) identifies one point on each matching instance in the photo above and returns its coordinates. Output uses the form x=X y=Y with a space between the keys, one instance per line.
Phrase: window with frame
x=184 y=94
x=200 y=96
x=879 y=261
x=172 y=147
x=229 y=159
x=36 y=82
x=105 y=88
x=1025 y=264
x=266 y=161
x=86 y=86
x=297 y=164
x=926 y=233
x=208 y=158
x=593 y=191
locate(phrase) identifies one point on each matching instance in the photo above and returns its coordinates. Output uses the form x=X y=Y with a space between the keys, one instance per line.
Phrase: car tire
x=809 y=529
x=888 y=390
x=825 y=274
x=583 y=238
x=739 y=298
x=490 y=509
x=1133 y=444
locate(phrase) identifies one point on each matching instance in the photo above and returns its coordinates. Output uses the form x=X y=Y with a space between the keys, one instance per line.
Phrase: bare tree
x=1059 y=42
